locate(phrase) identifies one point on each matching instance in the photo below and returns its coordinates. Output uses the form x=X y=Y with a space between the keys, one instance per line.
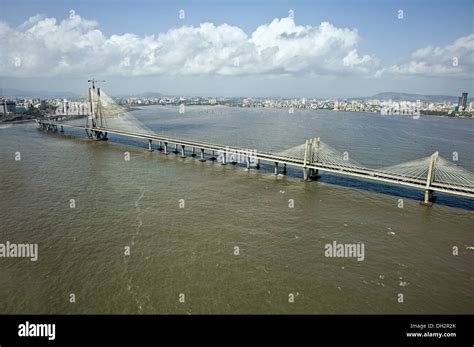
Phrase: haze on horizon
x=239 y=48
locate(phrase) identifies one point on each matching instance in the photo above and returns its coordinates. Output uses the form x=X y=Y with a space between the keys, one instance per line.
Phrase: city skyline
x=266 y=49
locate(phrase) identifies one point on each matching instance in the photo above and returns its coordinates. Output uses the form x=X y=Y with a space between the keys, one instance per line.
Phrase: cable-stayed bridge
x=430 y=174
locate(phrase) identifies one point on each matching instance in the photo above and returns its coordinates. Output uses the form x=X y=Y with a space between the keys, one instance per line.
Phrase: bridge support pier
x=428 y=198
x=248 y=162
x=258 y=164
x=232 y=159
x=166 y=148
x=213 y=156
x=202 y=155
x=313 y=174
x=276 y=169
x=224 y=160
x=99 y=136
x=161 y=146
x=183 y=154
x=284 y=169
x=150 y=148
x=175 y=148
x=194 y=152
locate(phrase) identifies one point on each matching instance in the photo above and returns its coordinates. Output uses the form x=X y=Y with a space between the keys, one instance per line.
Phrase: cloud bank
x=454 y=60
x=42 y=46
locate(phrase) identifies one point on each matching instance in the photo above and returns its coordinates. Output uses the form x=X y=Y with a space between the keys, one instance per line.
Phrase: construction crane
x=94 y=81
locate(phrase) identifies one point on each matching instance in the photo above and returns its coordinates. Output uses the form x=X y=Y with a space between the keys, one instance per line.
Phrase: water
x=190 y=250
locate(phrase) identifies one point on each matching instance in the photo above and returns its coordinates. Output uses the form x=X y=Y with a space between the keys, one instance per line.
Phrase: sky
x=337 y=48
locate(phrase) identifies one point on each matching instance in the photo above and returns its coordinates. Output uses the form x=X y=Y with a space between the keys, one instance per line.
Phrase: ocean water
x=183 y=219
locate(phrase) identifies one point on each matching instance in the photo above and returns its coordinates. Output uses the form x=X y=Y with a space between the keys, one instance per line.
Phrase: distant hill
x=16 y=93
x=413 y=97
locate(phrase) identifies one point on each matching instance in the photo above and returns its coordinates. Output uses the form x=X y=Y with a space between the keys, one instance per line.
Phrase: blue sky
x=381 y=35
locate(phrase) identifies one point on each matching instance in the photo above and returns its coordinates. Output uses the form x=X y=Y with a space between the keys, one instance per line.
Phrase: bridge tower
x=305 y=161
x=312 y=147
x=316 y=149
x=429 y=179
x=97 y=122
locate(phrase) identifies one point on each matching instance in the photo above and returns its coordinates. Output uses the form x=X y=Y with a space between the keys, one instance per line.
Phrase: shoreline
x=135 y=108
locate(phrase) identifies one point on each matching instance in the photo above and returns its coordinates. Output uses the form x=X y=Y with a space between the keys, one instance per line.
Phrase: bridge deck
x=352 y=171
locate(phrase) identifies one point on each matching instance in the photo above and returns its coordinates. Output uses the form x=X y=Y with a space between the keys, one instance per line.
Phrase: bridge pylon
x=97 y=122
x=428 y=198
x=312 y=148
x=305 y=161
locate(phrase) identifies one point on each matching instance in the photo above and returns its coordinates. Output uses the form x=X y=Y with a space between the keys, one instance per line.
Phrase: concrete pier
x=202 y=155
x=276 y=169
x=175 y=149
x=224 y=162
x=232 y=159
x=150 y=148
x=194 y=152
x=183 y=154
x=428 y=198
x=166 y=148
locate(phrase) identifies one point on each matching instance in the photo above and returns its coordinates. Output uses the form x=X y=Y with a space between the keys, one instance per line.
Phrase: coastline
x=134 y=108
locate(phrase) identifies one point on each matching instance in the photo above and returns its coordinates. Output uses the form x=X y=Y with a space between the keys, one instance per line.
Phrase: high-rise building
x=7 y=106
x=463 y=102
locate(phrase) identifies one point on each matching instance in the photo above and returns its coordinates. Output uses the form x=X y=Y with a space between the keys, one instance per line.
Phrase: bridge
x=430 y=174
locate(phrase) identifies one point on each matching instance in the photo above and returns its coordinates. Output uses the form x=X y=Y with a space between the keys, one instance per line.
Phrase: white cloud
x=43 y=47
x=454 y=60
x=32 y=21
